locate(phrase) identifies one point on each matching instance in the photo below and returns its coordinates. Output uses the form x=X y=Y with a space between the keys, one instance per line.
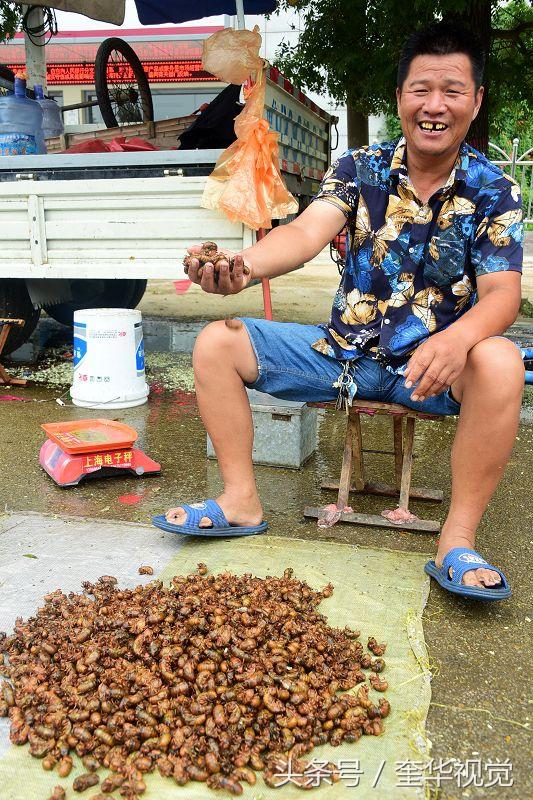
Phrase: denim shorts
x=289 y=368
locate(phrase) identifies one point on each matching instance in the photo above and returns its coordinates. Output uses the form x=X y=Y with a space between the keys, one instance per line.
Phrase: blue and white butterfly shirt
x=411 y=268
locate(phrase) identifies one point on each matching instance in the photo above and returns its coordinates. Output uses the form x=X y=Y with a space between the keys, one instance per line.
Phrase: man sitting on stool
x=432 y=280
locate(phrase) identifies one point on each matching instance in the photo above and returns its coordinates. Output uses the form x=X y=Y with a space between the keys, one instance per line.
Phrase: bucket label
x=95 y=333
x=139 y=349
x=80 y=342
x=139 y=358
x=17 y=144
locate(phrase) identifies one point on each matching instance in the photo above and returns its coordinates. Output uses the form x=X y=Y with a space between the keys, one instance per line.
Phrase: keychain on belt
x=346 y=386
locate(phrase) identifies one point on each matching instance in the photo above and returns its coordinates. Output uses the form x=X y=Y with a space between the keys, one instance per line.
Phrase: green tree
x=10 y=19
x=350 y=49
x=510 y=75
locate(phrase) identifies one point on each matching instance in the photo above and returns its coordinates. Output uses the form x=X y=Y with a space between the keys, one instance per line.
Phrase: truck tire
x=15 y=303
x=104 y=293
x=138 y=293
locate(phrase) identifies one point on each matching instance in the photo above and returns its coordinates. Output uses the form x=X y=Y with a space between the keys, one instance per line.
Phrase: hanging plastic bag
x=232 y=55
x=246 y=183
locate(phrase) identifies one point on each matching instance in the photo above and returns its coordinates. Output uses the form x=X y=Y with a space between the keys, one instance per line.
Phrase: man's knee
x=218 y=344
x=210 y=339
x=211 y=346
x=497 y=360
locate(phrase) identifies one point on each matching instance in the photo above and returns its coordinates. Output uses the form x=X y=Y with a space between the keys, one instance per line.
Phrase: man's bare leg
x=223 y=360
x=490 y=391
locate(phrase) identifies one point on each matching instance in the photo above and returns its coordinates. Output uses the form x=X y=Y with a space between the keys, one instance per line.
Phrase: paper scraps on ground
x=130 y=499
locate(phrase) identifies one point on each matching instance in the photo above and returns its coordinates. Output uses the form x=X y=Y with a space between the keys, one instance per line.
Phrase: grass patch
x=173 y=371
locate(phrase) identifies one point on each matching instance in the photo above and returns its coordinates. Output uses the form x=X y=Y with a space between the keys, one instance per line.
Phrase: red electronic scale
x=83 y=447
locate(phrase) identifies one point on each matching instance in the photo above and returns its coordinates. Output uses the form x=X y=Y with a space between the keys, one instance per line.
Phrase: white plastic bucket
x=108 y=359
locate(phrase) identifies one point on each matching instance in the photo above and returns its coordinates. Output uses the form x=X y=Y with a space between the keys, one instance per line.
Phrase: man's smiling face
x=437 y=103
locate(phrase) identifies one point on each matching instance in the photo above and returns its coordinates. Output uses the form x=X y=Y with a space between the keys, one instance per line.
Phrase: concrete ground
x=479 y=653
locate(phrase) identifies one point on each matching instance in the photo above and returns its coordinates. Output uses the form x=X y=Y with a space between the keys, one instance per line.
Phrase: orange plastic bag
x=246 y=183
x=232 y=55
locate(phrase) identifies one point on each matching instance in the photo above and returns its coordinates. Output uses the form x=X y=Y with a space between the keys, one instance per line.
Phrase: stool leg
x=357 y=449
x=407 y=465
x=398 y=450
x=4 y=333
x=5 y=378
x=346 y=469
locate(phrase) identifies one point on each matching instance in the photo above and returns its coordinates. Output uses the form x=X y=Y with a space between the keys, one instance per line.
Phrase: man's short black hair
x=442 y=39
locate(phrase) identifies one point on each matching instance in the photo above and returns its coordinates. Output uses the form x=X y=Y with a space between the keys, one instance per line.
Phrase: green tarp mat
x=382 y=593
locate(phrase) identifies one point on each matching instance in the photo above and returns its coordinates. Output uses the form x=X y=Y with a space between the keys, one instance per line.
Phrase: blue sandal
x=461 y=560
x=212 y=510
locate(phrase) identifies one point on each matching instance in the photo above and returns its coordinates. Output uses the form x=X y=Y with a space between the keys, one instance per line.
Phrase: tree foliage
x=511 y=56
x=10 y=19
x=349 y=49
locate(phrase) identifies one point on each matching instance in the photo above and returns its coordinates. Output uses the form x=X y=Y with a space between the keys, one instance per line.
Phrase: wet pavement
x=479 y=654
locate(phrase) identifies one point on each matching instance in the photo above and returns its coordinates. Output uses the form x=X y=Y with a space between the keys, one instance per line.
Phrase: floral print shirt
x=411 y=268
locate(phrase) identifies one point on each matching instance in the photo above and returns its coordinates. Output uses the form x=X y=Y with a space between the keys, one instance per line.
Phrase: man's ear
x=479 y=100
x=398 y=98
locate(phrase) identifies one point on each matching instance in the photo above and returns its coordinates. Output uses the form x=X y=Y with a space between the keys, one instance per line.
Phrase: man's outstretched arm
x=283 y=249
x=288 y=246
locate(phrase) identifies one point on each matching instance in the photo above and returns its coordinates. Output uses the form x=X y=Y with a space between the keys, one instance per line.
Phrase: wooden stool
x=5 y=327
x=403 y=463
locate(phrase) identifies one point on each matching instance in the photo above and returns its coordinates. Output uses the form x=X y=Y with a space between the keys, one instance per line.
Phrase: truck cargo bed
x=131 y=228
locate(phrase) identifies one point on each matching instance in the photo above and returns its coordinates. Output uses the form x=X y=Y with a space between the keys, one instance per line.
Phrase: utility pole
x=35 y=49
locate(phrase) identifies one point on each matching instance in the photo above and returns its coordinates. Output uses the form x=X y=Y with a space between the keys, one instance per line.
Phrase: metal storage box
x=285 y=431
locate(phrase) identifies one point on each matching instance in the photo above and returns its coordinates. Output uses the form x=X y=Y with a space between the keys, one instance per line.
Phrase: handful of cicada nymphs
x=210 y=254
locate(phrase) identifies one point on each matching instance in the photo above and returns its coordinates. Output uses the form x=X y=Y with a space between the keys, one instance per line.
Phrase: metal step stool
x=403 y=461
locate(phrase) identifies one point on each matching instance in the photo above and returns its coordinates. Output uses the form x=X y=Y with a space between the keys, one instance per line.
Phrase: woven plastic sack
x=246 y=183
x=368 y=595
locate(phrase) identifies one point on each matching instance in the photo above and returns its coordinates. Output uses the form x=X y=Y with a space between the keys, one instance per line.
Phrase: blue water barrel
x=21 y=121
x=52 y=117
